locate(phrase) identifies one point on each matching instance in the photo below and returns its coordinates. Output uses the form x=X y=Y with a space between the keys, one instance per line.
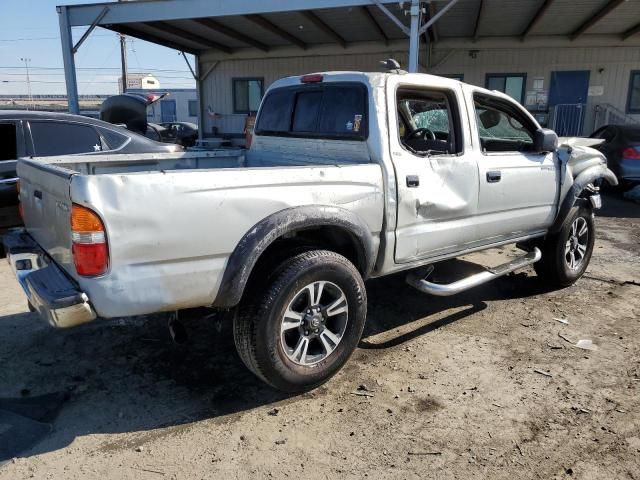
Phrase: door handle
x=494 y=176
x=413 y=181
x=37 y=194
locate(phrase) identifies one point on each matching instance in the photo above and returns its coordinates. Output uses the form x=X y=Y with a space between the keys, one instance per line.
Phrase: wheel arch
x=333 y=228
x=580 y=183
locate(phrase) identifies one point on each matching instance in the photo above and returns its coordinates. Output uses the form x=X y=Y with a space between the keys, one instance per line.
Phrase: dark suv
x=45 y=134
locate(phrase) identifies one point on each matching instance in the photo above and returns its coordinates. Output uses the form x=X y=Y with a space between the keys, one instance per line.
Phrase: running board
x=445 y=290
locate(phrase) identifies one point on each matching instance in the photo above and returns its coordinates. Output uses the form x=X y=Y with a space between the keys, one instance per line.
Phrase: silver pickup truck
x=349 y=176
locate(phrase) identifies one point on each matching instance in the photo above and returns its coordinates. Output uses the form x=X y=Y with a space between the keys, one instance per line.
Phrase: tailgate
x=46 y=202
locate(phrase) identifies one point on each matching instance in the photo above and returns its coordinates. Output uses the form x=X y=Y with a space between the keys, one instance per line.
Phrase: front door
x=436 y=172
x=568 y=99
x=168 y=110
x=518 y=187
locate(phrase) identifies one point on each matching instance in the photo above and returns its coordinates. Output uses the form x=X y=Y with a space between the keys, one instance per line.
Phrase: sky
x=29 y=30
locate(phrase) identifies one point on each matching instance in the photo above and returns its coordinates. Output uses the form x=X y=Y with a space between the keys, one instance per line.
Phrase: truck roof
x=379 y=78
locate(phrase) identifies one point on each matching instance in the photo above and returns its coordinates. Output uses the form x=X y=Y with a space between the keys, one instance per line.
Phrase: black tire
x=554 y=267
x=258 y=320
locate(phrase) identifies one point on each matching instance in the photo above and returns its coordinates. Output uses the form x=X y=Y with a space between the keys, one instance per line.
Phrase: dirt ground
x=451 y=387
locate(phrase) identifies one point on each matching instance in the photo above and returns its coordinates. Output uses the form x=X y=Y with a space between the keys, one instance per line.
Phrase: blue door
x=568 y=99
x=168 y=110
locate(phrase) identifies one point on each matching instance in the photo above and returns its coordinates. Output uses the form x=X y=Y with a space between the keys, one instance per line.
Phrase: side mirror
x=545 y=140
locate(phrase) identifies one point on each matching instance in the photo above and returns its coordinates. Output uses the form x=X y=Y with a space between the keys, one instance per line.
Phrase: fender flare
x=586 y=177
x=253 y=244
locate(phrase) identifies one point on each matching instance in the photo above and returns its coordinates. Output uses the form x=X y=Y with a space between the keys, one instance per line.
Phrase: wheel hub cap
x=577 y=244
x=314 y=323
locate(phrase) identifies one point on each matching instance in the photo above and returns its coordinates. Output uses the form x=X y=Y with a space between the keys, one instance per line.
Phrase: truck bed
x=167 y=215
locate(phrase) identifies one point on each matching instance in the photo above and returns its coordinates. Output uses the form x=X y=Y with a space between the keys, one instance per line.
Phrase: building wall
x=181 y=97
x=610 y=68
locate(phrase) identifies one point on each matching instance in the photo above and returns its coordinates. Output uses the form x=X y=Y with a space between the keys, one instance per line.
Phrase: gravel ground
x=439 y=388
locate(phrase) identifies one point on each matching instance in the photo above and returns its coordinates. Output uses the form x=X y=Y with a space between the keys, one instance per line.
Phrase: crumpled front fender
x=585 y=177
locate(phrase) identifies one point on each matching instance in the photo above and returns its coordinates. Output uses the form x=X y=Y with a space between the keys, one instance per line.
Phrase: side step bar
x=445 y=290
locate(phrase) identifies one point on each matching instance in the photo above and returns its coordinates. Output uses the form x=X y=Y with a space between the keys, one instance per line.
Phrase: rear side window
x=336 y=110
x=62 y=138
x=113 y=139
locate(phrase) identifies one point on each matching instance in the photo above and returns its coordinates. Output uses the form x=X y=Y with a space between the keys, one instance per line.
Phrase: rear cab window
x=332 y=110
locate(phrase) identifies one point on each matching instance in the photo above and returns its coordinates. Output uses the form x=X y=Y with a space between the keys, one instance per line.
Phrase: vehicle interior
x=425 y=121
x=501 y=126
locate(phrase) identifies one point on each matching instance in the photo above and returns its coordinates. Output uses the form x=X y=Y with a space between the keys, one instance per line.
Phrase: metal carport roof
x=228 y=29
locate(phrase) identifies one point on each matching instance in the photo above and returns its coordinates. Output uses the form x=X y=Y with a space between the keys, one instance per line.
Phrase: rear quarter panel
x=170 y=234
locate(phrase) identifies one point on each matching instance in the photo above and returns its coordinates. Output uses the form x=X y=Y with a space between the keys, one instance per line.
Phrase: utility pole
x=26 y=66
x=123 y=60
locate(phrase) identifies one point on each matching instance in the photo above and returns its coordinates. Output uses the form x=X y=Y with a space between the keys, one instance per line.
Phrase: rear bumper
x=56 y=298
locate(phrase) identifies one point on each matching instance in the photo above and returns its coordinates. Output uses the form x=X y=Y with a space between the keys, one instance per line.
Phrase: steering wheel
x=424 y=132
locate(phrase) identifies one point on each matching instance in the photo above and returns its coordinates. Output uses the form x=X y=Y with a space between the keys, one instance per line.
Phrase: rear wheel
x=566 y=255
x=297 y=331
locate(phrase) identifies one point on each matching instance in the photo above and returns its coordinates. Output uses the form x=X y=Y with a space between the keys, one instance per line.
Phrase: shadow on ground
x=131 y=378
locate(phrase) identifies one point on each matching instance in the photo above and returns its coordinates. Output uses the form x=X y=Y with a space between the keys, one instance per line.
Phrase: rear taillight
x=89 y=242
x=631 y=153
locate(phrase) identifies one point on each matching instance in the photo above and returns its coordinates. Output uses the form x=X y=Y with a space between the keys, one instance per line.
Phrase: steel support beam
x=313 y=18
x=632 y=31
x=431 y=9
x=595 y=18
x=476 y=29
x=93 y=25
x=414 y=36
x=199 y=83
x=150 y=37
x=231 y=33
x=536 y=18
x=373 y=23
x=180 y=32
x=70 y=79
x=276 y=30
x=392 y=17
x=437 y=16
x=186 y=60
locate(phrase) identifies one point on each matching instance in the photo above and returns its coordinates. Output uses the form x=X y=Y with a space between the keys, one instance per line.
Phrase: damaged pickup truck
x=350 y=176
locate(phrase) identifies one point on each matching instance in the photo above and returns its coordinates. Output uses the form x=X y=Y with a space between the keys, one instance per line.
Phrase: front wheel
x=566 y=255
x=300 y=329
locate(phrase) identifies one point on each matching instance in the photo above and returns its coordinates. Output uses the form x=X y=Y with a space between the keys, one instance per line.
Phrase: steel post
x=414 y=36
x=68 y=60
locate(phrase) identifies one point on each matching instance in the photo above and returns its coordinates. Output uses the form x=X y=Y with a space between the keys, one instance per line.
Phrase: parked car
x=44 y=134
x=621 y=146
x=182 y=133
x=349 y=176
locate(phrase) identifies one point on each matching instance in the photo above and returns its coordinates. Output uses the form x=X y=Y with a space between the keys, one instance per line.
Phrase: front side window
x=247 y=94
x=512 y=84
x=426 y=122
x=8 y=142
x=633 y=101
x=319 y=110
x=62 y=138
x=502 y=127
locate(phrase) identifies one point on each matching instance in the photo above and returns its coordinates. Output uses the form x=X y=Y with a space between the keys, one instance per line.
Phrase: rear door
x=436 y=170
x=518 y=187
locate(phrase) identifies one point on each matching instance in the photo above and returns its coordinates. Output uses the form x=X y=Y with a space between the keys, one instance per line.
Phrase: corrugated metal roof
x=504 y=18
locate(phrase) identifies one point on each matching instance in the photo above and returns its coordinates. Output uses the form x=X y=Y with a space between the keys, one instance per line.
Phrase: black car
x=44 y=134
x=182 y=133
x=622 y=148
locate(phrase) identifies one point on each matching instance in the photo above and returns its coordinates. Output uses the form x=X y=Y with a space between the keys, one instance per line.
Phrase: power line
x=146 y=69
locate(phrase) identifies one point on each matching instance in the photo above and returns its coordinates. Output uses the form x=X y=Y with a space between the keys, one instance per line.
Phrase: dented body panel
x=186 y=230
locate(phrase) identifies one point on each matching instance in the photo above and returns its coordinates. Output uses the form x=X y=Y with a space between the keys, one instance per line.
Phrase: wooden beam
x=595 y=18
x=632 y=31
x=536 y=18
x=313 y=18
x=230 y=32
x=179 y=32
x=149 y=37
x=476 y=30
x=373 y=23
x=276 y=30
